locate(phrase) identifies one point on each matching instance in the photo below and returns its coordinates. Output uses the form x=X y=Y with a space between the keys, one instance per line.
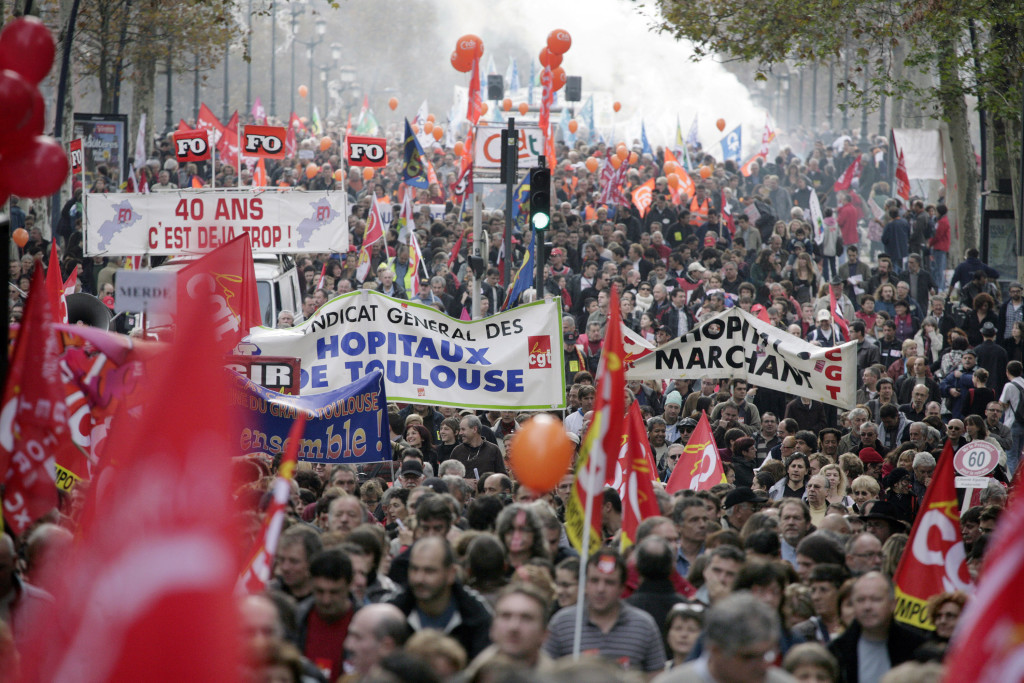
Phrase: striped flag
x=323 y=277
x=691 y=137
x=260 y=567
x=602 y=441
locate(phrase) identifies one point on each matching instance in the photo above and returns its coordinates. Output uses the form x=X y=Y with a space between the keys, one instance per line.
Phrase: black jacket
x=474 y=617
x=901 y=645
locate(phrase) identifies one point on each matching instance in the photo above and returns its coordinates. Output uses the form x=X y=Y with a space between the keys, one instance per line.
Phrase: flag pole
x=213 y=165
x=588 y=516
x=238 y=155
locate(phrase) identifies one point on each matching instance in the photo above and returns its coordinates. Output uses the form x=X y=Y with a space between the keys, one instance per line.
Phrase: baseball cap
x=412 y=467
x=695 y=267
x=823 y=314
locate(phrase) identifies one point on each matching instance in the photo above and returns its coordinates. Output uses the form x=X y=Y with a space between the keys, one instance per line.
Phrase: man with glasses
x=994 y=424
x=955 y=433
x=863 y=554
x=869 y=438
x=675 y=451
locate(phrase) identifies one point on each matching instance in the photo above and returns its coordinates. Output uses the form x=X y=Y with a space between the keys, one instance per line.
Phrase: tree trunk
x=961 y=175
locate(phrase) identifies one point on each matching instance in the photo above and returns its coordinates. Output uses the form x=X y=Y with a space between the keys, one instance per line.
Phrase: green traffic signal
x=540 y=198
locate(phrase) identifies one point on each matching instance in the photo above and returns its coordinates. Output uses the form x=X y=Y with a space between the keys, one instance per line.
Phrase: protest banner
x=167 y=223
x=507 y=361
x=487 y=151
x=735 y=343
x=271 y=372
x=345 y=425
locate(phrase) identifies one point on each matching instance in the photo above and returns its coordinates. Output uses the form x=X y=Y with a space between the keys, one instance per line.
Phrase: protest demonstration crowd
x=442 y=564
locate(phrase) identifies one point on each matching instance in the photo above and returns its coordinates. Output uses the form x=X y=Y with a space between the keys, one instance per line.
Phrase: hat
x=695 y=267
x=885 y=510
x=742 y=494
x=558 y=251
x=688 y=422
x=869 y=456
x=823 y=314
x=898 y=475
x=436 y=484
x=412 y=467
x=988 y=330
x=674 y=398
x=970 y=352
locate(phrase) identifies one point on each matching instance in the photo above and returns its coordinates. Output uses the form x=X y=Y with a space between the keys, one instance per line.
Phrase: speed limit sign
x=976 y=459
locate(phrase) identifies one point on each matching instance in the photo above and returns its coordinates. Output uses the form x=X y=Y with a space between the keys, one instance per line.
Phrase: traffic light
x=540 y=198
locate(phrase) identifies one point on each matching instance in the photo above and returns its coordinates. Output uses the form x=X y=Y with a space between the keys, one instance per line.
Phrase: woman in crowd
x=837 y=485
x=449 y=433
x=682 y=628
x=983 y=311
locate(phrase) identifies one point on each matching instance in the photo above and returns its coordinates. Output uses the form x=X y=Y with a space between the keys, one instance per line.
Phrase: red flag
x=455 y=252
x=197 y=182
x=748 y=167
x=291 y=145
x=934 y=560
x=602 y=441
x=348 y=131
x=34 y=433
x=157 y=558
x=643 y=196
x=55 y=284
x=373 y=233
x=852 y=171
x=699 y=467
x=182 y=127
x=323 y=277
x=547 y=100
x=611 y=184
x=260 y=567
x=637 y=470
x=837 y=312
x=902 y=179
x=987 y=645
x=473 y=112
x=224 y=281
x=259 y=175
x=727 y=214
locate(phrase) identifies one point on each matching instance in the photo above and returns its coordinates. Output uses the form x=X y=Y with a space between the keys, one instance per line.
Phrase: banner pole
x=238 y=155
x=588 y=518
x=213 y=165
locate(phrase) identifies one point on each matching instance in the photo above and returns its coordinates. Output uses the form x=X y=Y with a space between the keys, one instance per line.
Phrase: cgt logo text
x=540 y=352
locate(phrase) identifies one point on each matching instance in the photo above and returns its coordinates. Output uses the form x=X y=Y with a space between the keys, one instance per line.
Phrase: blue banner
x=344 y=425
x=732 y=145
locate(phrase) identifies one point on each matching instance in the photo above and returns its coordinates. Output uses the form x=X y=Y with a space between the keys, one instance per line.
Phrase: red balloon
x=720 y=124
x=559 y=41
x=462 y=61
x=16 y=94
x=27 y=47
x=558 y=78
x=548 y=58
x=19 y=236
x=37 y=169
x=541 y=453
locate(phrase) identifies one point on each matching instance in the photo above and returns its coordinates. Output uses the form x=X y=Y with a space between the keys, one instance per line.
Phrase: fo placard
x=191 y=145
x=366 y=151
x=263 y=141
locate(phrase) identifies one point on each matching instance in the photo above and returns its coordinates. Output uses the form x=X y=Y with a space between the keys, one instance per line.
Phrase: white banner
x=487 y=146
x=735 y=343
x=167 y=223
x=512 y=360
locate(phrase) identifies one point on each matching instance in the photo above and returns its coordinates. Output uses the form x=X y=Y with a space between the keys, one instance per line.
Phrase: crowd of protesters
x=440 y=566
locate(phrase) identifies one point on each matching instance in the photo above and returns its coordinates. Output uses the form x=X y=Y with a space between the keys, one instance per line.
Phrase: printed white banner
x=735 y=343
x=167 y=223
x=512 y=360
x=487 y=146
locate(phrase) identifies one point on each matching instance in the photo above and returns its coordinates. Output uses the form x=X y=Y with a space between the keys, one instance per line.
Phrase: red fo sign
x=263 y=141
x=75 y=148
x=192 y=145
x=364 y=151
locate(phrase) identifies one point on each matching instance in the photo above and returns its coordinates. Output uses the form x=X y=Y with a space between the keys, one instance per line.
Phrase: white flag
x=817 y=219
x=140 y=143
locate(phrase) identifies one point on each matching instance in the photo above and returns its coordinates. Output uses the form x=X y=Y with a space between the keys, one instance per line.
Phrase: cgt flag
x=638 y=471
x=934 y=560
x=902 y=178
x=602 y=441
x=699 y=467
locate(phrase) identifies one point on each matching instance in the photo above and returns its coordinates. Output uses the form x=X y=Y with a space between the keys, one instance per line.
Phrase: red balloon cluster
x=31 y=164
x=467 y=48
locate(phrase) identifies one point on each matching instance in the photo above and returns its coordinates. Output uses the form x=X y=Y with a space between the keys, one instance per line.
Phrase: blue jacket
x=896 y=239
x=964 y=383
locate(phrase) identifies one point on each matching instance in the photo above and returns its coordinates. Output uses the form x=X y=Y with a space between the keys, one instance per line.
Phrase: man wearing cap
x=869 y=455
x=740 y=505
x=991 y=356
x=670 y=413
x=882 y=521
x=557 y=267
x=411 y=474
x=825 y=333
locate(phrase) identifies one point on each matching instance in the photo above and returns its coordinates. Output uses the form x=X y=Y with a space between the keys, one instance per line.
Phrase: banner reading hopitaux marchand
x=735 y=343
x=510 y=360
x=166 y=223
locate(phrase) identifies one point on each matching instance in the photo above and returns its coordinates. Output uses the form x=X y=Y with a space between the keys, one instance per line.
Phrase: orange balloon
x=325 y=143
x=616 y=161
x=548 y=58
x=524 y=108
x=592 y=164
x=312 y=170
x=462 y=61
x=673 y=180
x=705 y=172
x=558 y=78
x=633 y=157
x=470 y=44
x=541 y=453
x=431 y=118
x=459 y=148
x=393 y=103
x=559 y=41
x=483 y=108
x=303 y=91
x=339 y=175
x=415 y=129
x=20 y=237
x=573 y=126
x=617 y=106
x=622 y=153
x=669 y=168
x=438 y=133
x=367 y=173
x=506 y=104
x=428 y=127
x=720 y=123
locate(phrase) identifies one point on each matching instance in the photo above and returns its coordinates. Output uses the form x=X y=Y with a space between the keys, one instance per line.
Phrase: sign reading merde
x=510 y=360
x=166 y=223
x=737 y=344
x=345 y=425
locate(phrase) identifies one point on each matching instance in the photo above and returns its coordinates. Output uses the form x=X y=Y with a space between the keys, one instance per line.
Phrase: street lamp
x=324 y=68
x=320 y=26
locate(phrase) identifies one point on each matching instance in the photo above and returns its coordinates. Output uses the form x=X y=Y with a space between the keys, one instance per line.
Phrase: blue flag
x=523 y=279
x=732 y=145
x=567 y=136
x=520 y=196
x=643 y=140
x=529 y=90
x=587 y=114
x=414 y=172
x=513 y=76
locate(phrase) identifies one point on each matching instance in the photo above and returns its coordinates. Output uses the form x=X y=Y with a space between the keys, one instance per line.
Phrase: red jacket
x=847 y=218
x=940 y=240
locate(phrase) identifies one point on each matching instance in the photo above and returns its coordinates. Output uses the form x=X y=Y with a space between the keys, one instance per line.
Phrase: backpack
x=1018 y=412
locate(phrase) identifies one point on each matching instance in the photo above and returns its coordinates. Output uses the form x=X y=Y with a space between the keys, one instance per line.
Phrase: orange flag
x=643 y=196
x=686 y=184
x=699 y=467
x=935 y=560
x=259 y=175
x=637 y=471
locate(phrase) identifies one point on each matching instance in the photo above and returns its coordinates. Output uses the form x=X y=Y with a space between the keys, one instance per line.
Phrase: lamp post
x=273 y=58
x=296 y=11
x=883 y=128
x=321 y=28
x=814 y=98
x=248 y=64
x=831 y=93
x=324 y=68
x=227 y=58
x=169 y=110
x=846 y=92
